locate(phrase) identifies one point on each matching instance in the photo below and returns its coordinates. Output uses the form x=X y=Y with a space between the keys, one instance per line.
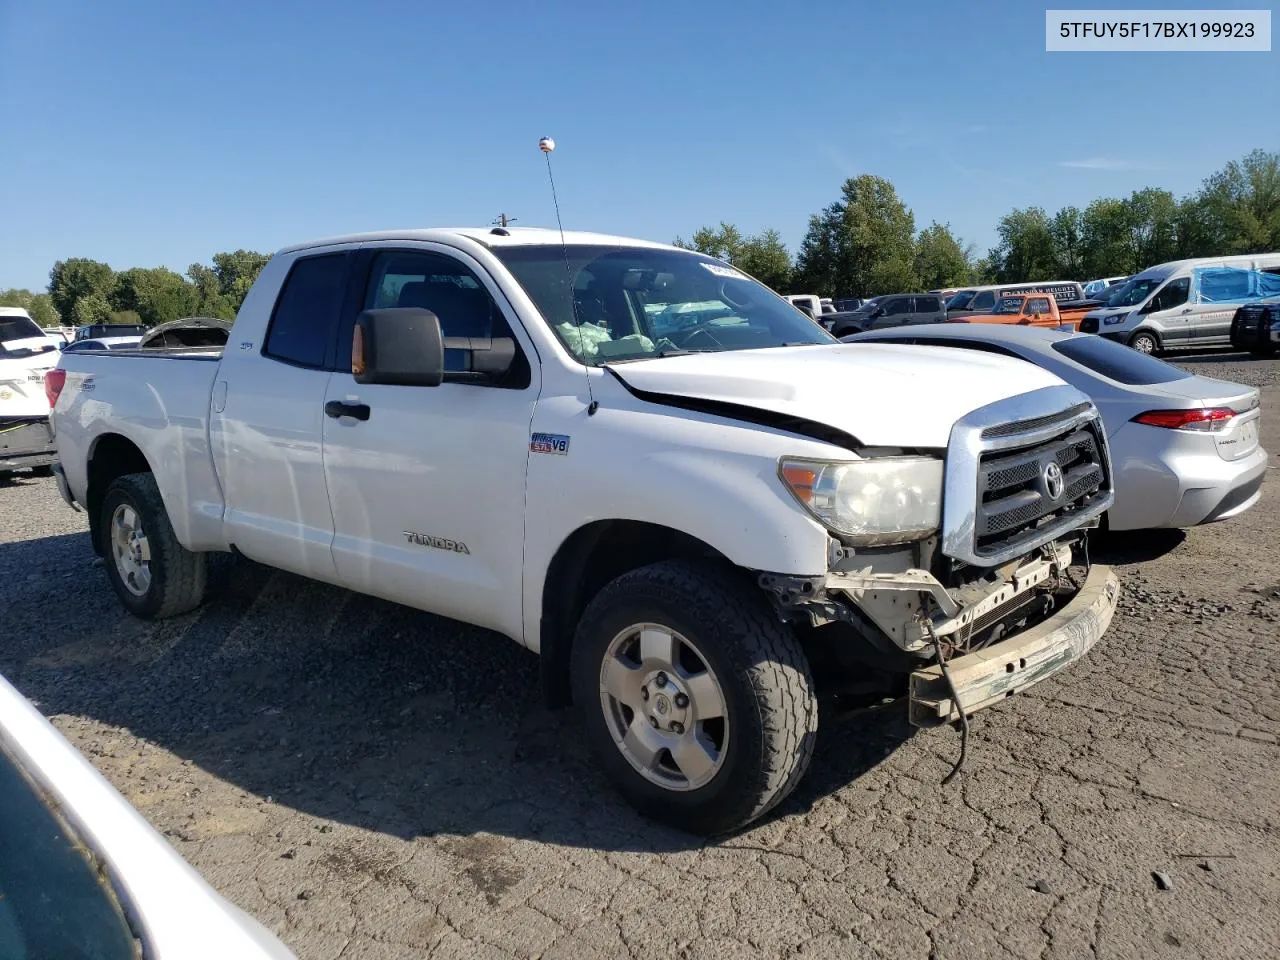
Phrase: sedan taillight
x=1204 y=419
x=54 y=380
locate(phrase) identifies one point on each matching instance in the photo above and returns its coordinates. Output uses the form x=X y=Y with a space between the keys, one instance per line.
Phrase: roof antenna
x=547 y=145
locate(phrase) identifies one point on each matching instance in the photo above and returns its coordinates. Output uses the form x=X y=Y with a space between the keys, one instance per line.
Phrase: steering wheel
x=685 y=338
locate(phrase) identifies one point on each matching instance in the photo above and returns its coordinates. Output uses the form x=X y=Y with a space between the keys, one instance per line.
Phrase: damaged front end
x=1003 y=594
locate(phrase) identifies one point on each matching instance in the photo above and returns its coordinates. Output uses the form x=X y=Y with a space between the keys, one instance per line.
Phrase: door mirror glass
x=398 y=345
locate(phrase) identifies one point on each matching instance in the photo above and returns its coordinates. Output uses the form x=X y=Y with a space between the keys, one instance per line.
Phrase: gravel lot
x=373 y=782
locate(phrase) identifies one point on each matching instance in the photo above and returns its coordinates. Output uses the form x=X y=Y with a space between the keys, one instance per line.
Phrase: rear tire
x=154 y=575
x=715 y=717
x=1145 y=342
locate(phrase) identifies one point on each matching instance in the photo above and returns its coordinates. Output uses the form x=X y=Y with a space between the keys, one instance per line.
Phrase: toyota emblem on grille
x=1053 y=480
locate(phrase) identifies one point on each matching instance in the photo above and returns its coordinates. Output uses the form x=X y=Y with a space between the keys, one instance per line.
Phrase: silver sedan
x=1184 y=448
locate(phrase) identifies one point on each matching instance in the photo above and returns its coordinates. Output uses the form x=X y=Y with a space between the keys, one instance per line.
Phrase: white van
x=1186 y=303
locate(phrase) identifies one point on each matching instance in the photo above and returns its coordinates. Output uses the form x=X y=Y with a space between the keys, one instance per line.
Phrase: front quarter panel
x=713 y=479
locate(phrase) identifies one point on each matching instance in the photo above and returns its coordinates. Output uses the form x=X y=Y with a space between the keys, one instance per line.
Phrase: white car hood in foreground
x=180 y=915
x=885 y=395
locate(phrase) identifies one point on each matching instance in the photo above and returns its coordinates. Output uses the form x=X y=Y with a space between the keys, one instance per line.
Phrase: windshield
x=961 y=300
x=630 y=303
x=1009 y=305
x=18 y=328
x=1134 y=292
x=52 y=903
x=1116 y=362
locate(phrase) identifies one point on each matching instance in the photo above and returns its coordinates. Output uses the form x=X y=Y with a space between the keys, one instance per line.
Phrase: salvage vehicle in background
x=1184 y=303
x=983 y=299
x=101 y=343
x=1097 y=289
x=95 y=331
x=485 y=424
x=1185 y=447
x=892 y=310
x=1025 y=309
x=1256 y=327
x=83 y=875
x=26 y=354
x=200 y=332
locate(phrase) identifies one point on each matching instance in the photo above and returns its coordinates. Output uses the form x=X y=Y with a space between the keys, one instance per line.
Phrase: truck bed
x=129 y=400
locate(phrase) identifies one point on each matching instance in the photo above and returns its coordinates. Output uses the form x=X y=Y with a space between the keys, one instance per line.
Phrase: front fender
x=713 y=479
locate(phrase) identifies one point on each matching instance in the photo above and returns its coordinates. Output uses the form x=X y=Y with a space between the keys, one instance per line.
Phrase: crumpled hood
x=884 y=394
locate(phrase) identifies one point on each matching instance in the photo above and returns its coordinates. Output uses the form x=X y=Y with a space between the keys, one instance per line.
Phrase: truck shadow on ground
x=344 y=707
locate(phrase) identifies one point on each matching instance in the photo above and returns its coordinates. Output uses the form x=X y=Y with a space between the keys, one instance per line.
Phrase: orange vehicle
x=1028 y=310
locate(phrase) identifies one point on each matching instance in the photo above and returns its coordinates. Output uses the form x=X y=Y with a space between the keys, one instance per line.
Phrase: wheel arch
x=590 y=557
x=112 y=455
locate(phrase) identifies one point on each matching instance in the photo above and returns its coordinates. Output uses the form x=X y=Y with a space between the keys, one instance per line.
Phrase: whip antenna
x=547 y=145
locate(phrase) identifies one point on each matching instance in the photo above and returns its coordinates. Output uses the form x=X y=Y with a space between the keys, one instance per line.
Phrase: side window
x=437 y=283
x=897 y=306
x=450 y=290
x=984 y=300
x=1038 y=305
x=302 y=323
x=1173 y=295
x=928 y=305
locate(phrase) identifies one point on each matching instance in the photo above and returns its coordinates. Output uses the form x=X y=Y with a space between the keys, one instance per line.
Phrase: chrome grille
x=1016 y=495
x=997 y=504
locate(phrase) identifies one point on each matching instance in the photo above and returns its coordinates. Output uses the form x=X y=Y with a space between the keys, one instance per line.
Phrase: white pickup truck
x=701 y=519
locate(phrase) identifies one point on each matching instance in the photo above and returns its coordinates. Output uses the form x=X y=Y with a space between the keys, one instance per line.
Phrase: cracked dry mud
x=372 y=782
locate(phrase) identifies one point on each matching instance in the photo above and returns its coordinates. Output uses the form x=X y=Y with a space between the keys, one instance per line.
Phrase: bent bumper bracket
x=987 y=676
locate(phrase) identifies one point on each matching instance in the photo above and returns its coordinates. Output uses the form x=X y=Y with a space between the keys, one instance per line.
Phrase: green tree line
x=866 y=242
x=87 y=291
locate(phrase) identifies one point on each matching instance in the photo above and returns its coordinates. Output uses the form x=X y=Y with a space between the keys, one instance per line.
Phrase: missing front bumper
x=986 y=676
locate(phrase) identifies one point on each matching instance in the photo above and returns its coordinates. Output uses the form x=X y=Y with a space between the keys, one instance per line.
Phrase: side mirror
x=1026 y=321
x=398 y=345
x=404 y=346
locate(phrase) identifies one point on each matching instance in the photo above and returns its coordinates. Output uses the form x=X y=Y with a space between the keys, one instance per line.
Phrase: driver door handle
x=340 y=408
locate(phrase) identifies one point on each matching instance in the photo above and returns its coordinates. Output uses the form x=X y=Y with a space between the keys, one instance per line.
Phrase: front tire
x=697 y=701
x=153 y=574
x=1145 y=342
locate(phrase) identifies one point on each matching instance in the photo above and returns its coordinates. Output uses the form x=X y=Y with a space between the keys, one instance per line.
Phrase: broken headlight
x=876 y=501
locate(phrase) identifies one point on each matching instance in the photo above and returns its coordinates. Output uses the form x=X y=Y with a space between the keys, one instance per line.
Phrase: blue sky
x=157 y=133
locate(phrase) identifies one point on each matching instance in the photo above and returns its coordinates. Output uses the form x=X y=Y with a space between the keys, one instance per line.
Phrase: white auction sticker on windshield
x=722 y=271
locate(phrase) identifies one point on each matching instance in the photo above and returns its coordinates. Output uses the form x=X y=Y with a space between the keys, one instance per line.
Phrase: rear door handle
x=340 y=408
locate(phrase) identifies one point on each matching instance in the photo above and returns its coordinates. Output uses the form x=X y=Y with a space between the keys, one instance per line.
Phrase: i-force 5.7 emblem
x=440 y=543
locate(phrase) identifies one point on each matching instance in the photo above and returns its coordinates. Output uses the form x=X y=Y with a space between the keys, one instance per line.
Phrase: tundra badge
x=440 y=543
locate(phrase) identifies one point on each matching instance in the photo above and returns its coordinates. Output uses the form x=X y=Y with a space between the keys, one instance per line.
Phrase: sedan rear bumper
x=985 y=677
x=1224 y=490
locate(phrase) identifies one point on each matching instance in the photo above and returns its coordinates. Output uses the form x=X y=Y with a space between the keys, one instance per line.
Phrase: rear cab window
x=306 y=312
x=1119 y=363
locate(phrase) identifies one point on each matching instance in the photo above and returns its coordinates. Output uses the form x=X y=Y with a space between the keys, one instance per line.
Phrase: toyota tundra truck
x=701 y=526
